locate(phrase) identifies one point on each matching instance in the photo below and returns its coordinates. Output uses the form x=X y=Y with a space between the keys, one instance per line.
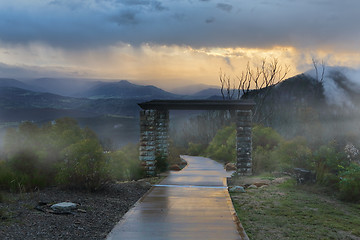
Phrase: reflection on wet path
x=190 y=204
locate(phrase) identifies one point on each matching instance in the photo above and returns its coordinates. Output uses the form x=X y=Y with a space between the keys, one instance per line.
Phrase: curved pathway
x=190 y=204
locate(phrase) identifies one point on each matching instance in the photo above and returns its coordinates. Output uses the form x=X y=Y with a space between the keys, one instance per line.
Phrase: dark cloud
x=210 y=20
x=127 y=17
x=28 y=72
x=225 y=7
x=79 y=24
x=155 y=5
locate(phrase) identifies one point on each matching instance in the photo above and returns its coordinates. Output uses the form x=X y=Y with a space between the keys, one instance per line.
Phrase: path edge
x=236 y=219
x=127 y=215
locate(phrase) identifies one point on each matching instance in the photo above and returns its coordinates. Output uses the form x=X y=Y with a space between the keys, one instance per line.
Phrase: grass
x=286 y=211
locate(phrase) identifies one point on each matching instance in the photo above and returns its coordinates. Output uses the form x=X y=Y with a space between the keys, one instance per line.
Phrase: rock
x=260 y=184
x=81 y=210
x=64 y=207
x=239 y=189
x=252 y=186
x=174 y=167
x=230 y=167
x=303 y=176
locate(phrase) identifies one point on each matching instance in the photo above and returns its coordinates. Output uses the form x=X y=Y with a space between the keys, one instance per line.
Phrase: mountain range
x=301 y=99
x=109 y=108
x=42 y=99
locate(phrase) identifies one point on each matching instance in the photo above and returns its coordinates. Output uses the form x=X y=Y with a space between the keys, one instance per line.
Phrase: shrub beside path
x=191 y=204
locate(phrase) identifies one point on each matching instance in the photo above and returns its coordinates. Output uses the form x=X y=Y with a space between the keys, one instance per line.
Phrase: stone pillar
x=154 y=126
x=244 y=142
x=148 y=141
x=162 y=127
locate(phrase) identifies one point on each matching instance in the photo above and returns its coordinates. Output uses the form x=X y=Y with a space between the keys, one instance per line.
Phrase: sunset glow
x=171 y=44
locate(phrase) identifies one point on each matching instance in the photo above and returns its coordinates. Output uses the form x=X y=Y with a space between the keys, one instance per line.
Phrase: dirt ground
x=29 y=216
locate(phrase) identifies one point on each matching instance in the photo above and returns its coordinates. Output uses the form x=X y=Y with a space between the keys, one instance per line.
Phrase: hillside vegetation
x=63 y=154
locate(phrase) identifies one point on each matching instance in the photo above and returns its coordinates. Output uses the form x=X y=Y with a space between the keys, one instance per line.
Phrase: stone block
x=150 y=163
x=243 y=123
x=243 y=139
x=244 y=165
x=147 y=148
x=147 y=158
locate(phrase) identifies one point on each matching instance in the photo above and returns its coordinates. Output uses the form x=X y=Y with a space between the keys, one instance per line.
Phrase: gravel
x=29 y=216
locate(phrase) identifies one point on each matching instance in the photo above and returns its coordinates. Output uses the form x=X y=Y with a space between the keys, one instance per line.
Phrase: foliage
x=222 y=147
x=263 y=160
x=29 y=171
x=294 y=153
x=161 y=164
x=124 y=164
x=265 y=137
x=350 y=183
x=196 y=149
x=60 y=150
x=174 y=154
x=328 y=162
x=83 y=166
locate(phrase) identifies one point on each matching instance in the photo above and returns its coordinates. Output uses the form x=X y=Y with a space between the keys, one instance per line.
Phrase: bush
x=223 y=146
x=124 y=164
x=35 y=155
x=84 y=166
x=161 y=164
x=6 y=176
x=328 y=162
x=293 y=154
x=349 y=184
x=196 y=149
x=263 y=161
x=24 y=171
x=265 y=137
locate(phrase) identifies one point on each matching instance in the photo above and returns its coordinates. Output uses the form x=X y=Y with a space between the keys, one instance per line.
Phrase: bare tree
x=255 y=82
x=319 y=77
x=227 y=86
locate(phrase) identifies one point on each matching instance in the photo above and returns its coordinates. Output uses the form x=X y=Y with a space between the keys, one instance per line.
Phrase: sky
x=173 y=43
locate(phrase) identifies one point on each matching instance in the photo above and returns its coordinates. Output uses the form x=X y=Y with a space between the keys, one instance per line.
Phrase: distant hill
x=62 y=86
x=126 y=90
x=303 y=106
x=209 y=92
x=18 y=104
x=192 y=89
x=9 y=82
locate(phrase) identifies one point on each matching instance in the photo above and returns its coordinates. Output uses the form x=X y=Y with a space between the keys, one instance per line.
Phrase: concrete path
x=191 y=204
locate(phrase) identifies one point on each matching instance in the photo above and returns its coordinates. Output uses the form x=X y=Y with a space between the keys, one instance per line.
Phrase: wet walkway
x=191 y=204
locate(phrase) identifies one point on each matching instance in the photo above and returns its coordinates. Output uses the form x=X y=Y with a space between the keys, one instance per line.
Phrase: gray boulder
x=237 y=189
x=64 y=207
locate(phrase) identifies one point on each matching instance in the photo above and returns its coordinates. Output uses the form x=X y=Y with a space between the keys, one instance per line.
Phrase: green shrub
x=265 y=137
x=6 y=175
x=263 y=161
x=124 y=164
x=84 y=166
x=328 y=162
x=24 y=171
x=223 y=146
x=349 y=184
x=161 y=164
x=292 y=154
x=196 y=149
x=265 y=142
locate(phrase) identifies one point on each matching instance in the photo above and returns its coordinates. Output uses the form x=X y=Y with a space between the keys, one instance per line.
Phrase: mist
x=341 y=86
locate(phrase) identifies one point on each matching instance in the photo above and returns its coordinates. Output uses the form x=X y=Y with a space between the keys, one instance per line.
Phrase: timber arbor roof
x=198 y=105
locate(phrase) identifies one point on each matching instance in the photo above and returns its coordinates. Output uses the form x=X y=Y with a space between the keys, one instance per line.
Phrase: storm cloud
x=79 y=25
